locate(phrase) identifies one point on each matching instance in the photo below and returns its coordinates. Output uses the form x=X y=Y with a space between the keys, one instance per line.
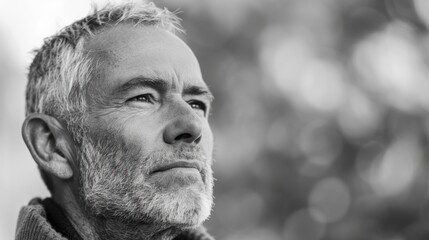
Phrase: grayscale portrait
x=214 y=119
x=117 y=122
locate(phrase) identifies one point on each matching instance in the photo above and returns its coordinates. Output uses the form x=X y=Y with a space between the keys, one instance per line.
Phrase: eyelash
x=200 y=105
x=149 y=98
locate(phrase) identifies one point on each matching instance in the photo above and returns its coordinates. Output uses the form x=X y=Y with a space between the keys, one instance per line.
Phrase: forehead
x=125 y=51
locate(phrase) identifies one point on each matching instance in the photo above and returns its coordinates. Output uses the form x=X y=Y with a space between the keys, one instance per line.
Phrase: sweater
x=34 y=224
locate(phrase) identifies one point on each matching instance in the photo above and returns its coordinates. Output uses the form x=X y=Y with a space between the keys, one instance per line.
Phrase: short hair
x=61 y=69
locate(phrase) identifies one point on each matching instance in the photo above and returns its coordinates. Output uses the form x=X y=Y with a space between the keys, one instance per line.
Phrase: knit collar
x=35 y=222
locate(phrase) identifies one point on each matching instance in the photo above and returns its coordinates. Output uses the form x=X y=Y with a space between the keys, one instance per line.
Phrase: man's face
x=148 y=151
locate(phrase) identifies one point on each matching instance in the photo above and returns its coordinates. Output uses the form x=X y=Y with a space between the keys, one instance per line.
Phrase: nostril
x=183 y=136
x=187 y=138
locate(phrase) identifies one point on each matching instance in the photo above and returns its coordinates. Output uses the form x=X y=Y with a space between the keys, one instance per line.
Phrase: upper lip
x=180 y=164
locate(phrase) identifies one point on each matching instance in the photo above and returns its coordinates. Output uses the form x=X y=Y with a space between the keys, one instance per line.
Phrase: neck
x=96 y=228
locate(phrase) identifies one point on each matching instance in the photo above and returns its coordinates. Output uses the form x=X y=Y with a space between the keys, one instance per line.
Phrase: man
x=117 y=121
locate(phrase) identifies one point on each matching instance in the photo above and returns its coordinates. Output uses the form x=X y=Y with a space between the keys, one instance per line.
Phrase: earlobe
x=49 y=144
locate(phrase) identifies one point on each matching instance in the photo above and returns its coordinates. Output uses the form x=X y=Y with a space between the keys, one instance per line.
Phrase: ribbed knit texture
x=33 y=225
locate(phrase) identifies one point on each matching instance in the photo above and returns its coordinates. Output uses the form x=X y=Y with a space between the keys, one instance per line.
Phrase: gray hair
x=61 y=69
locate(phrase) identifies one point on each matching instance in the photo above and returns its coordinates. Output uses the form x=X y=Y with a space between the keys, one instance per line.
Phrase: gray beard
x=113 y=188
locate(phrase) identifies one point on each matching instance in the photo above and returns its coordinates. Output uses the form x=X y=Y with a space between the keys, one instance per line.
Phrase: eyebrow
x=201 y=91
x=162 y=86
x=157 y=84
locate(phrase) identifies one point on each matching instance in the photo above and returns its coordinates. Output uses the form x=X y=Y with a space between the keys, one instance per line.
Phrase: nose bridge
x=184 y=125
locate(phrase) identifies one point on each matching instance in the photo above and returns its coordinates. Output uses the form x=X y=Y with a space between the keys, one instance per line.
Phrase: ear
x=50 y=144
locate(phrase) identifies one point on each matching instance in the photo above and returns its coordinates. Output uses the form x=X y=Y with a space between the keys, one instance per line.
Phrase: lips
x=179 y=164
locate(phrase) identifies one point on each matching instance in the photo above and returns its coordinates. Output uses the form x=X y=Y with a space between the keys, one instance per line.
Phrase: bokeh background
x=321 y=113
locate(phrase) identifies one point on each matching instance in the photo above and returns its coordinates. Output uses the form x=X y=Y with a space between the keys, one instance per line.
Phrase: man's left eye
x=197 y=105
x=143 y=98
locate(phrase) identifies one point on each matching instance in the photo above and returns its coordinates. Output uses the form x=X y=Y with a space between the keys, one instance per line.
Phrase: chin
x=180 y=200
x=185 y=208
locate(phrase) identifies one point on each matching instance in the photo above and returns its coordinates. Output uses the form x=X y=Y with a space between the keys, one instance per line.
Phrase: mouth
x=179 y=164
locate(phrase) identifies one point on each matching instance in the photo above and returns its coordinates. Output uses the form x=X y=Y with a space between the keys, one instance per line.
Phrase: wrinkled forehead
x=126 y=51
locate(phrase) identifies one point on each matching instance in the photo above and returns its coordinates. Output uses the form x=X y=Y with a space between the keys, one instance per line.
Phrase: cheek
x=207 y=139
x=124 y=133
x=140 y=133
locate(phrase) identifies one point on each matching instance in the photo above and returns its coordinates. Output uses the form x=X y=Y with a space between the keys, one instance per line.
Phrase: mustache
x=116 y=153
x=183 y=153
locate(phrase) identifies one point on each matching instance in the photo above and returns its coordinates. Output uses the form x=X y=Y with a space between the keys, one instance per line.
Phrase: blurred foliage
x=320 y=116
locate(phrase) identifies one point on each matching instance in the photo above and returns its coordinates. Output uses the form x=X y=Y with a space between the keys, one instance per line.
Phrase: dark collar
x=58 y=220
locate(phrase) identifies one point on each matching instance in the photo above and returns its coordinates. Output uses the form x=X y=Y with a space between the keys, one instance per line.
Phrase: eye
x=143 y=98
x=198 y=105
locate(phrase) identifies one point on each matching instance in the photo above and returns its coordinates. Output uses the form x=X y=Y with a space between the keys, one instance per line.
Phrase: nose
x=185 y=127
